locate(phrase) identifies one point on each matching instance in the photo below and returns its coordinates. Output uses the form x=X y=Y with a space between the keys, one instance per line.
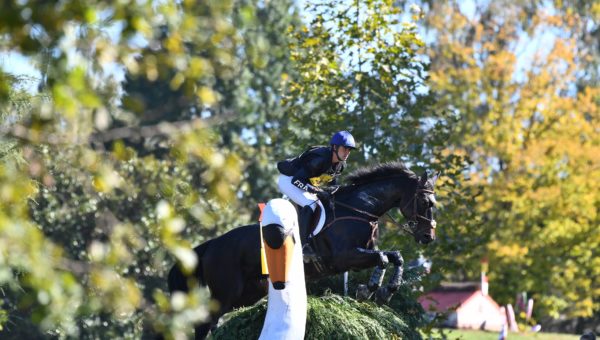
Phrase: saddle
x=323 y=208
x=319 y=216
x=316 y=217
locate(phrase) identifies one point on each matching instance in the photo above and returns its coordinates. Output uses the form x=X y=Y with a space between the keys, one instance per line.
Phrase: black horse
x=230 y=264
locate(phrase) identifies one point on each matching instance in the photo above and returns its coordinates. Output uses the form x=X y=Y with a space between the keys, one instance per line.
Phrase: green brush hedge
x=329 y=317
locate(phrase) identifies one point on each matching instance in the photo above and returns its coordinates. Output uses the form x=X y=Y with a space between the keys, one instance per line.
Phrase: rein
x=374 y=226
x=373 y=220
x=353 y=209
x=408 y=227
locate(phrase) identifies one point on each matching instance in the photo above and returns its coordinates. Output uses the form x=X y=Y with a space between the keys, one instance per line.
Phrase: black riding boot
x=304 y=219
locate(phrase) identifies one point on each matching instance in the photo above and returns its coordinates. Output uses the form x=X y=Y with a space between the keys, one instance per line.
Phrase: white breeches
x=302 y=198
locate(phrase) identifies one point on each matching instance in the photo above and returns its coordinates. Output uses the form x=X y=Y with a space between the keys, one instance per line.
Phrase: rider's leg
x=304 y=219
x=297 y=195
x=308 y=202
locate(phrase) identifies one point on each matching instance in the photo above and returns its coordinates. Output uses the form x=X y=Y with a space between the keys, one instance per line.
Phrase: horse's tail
x=178 y=281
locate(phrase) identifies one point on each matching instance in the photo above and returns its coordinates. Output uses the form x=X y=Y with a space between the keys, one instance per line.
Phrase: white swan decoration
x=286 y=309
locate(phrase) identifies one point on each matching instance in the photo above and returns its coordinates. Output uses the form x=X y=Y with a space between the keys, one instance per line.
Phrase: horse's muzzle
x=426 y=240
x=428 y=235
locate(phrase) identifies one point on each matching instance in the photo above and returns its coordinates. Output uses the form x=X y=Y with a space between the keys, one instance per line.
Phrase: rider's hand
x=331 y=189
x=323 y=194
x=313 y=189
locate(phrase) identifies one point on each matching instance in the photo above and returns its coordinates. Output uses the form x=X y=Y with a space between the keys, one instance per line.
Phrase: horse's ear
x=435 y=177
x=423 y=179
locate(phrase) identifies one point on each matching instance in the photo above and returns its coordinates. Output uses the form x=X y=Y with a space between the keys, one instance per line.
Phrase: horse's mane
x=368 y=174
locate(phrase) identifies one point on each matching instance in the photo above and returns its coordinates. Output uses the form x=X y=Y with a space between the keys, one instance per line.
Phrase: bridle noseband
x=413 y=221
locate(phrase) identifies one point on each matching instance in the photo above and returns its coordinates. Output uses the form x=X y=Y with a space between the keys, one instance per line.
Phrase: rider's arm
x=337 y=173
x=312 y=168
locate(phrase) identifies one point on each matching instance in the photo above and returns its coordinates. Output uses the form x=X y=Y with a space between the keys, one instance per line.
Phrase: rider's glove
x=321 y=194
x=331 y=189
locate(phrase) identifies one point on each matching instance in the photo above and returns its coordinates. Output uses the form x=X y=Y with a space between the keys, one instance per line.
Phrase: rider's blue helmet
x=343 y=138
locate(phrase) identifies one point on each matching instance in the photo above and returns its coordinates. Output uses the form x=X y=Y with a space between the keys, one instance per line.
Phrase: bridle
x=414 y=220
x=408 y=227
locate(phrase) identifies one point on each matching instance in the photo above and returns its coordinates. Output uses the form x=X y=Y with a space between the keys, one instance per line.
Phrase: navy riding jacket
x=312 y=168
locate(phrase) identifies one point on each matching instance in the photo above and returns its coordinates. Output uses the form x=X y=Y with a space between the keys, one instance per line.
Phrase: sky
x=17 y=64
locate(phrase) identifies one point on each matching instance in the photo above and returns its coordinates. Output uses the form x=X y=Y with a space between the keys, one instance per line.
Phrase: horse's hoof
x=383 y=296
x=363 y=293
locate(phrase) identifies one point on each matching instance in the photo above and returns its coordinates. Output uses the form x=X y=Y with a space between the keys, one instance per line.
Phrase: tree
x=246 y=95
x=361 y=68
x=87 y=233
x=532 y=136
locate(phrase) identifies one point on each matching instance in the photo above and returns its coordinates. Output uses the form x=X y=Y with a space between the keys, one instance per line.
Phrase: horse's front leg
x=384 y=294
x=364 y=292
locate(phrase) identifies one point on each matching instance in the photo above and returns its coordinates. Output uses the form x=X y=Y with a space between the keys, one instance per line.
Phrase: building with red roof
x=467 y=306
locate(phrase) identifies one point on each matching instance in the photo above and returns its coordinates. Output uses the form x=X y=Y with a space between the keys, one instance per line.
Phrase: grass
x=461 y=334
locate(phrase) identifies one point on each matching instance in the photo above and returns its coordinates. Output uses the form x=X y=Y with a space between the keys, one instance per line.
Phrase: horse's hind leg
x=384 y=294
x=254 y=290
x=200 y=332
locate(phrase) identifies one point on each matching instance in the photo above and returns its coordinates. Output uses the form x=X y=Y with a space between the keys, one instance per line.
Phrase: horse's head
x=375 y=190
x=418 y=210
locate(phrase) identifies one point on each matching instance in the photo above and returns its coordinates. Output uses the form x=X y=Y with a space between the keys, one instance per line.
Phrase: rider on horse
x=302 y=176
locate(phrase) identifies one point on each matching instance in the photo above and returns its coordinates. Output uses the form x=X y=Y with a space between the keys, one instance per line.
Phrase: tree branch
x=30 y=136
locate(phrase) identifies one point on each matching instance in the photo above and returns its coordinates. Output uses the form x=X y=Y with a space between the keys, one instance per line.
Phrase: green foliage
x=359 y=70
x=245 y=323
x=329 y=316
x=98 y=197
x=120 y=222
x=532 y=137
x=86 y=234
x=245 y=100
x=332 y=316
x=404 y=301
